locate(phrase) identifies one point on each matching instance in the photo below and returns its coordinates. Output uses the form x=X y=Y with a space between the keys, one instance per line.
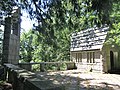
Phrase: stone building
x=89 y=51
x=11 y=38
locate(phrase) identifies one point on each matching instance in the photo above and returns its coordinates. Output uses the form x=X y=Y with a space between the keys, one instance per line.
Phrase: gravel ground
x=77 y=80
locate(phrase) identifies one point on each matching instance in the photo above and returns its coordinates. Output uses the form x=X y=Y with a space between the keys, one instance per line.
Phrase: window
x=90 y=57
x=78 y=57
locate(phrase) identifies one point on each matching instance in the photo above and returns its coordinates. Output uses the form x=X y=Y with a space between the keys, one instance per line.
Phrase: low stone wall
x=22 y=79
x=28 y=66
x=89 y=67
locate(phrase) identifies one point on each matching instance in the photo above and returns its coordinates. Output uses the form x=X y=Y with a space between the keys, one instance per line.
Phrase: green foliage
x=114 y=35
x=115 y=15
x=6 y=7
x=70 y=14
x=28 y=45
x=36 y=47
x=59 y=14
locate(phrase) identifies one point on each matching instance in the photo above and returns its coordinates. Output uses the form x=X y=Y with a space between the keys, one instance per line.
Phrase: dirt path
x=77 y=80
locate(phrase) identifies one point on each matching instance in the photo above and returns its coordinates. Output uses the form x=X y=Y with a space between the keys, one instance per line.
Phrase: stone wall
x=22 y=79
x=43 y=66
x=85 y=61
x=106 y=58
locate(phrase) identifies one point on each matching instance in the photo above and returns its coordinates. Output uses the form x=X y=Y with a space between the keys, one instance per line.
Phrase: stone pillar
x=7 y=32
x=11 y=40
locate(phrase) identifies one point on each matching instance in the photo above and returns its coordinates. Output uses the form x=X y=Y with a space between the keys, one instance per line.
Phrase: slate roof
x=89 y=39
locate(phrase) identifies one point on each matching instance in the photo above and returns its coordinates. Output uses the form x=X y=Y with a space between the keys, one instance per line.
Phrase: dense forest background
x=56 y=20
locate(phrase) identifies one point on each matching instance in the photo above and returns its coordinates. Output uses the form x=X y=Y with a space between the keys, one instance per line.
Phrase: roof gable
x=92 y=38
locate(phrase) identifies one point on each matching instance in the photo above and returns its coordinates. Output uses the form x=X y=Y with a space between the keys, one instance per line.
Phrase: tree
x=63 y=12
x=36 y=47
x=28 y=46
x=114 y=33
x=6 y=7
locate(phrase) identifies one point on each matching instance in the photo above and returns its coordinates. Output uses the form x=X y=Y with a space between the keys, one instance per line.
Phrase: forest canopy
x=62 y=13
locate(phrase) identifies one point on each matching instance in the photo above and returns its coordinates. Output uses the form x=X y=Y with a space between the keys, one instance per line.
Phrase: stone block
x=5 y=51
x=26 y=66
x=11 y=42
x=5 y=47
x=6 y=36
x=42 y=85
x=6 y=42
x=5 y=56
x=25 y=80
x=71 y=65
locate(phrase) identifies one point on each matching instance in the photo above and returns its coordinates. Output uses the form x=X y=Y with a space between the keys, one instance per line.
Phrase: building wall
x=109 y=65
x=102 y=59
x=88 y=60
